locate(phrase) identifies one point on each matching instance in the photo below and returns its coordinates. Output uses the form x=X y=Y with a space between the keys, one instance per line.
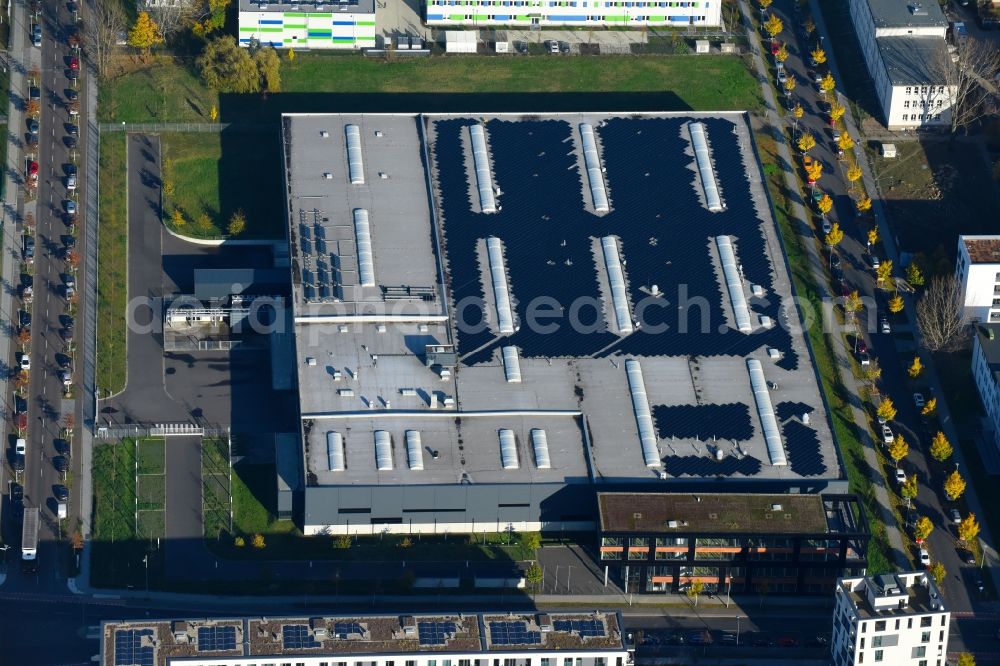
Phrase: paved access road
x=46 y=404
x=859 y=275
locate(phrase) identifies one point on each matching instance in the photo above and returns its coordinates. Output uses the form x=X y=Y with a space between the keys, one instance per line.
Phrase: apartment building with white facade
x=465 y=639
x=986 y=372
x=905 y=49
x=894 y=619
x=577 y=13
x=977 y=270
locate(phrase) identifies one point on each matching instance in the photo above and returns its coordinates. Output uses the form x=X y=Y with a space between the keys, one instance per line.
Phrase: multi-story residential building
x=905 y=49
x=470 y=639
x=977 y=271
x=308 y=24
x=986 y=372
x=732 y=543
x=577 y=13
x=896 y=619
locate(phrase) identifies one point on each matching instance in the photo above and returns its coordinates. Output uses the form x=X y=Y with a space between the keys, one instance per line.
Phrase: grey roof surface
x=309 y=6
x=356 y=377
x=914 y=60
x=215 y=283
x=900 y=14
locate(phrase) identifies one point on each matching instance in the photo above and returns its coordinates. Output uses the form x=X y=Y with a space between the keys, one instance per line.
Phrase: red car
x=74 y=63
x=33 y=169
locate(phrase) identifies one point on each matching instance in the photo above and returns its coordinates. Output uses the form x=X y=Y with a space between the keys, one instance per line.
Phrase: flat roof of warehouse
x=373 y=360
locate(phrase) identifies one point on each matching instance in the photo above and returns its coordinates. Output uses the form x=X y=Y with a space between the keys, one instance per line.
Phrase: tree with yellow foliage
x=899 y=449
x=834 y=236
x=782 y=54
x=853 y=175
x=968 y=529
x=873 y=236
x=941 y=448
x=806 y=142
x=827 y=84
x=825 y=204
x=896 y=304
x=954 y=486
x=145 y=34
x=929 y=407
x=773 y=26
x=818 y=55
x=886 y=410
x=845 y=142
x=916 y=368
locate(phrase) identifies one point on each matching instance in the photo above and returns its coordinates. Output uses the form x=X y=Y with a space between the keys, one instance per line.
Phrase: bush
x=342 y=542
x=239 y=542
x=258 y=541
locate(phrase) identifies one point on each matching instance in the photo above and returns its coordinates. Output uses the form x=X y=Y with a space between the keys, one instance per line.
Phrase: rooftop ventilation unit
x=643 y=418
x=355 y=160
x=706 y=171
x=366 y=260
x=616 y=278
x=484 y=177
x=734 y=283
x=501 y=290
x=335 y=451
x=508 y=449
x=511 y=364
x=383 y=451
x=772 y=436
x=595 y=174
x=540 y=443
x=414 y=452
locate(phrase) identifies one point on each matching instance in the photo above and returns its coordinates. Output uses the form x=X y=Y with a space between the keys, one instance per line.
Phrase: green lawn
x=116 y=551
x=844 y=428
x=166 y=91
x=151 y=489
x=151 y=452
x=215 y=486
x=210 y=180
x=112 y=266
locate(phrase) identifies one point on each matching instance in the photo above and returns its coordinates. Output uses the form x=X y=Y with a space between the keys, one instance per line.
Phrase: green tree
x=531 y=540
x=237 y=223
x=694 y=590
x=941 y=448
x=968 y=529
x=923 y=528
x=896 y=304
x=342 y=541
x=773 y=26
x=226 y=67
x=914 y=275
x=178 y=218
x=899 y=449
x=872 y=372
x=916 y=368
x=239 y=542
x=533 y=576
x=145 y=33
x=834 y=236
x=269 y=68
x=909 y=489
x=806 y=142
x=215 y=17
x=966 y=659
x=954 y=486
x=825 y=204
x=938 y=573
x=886 y=409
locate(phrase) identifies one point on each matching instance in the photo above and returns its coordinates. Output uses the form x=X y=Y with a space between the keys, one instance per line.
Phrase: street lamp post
x=738 y=630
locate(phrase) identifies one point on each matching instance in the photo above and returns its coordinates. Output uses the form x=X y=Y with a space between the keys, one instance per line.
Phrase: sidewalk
x=892 y=252
x=800 y=216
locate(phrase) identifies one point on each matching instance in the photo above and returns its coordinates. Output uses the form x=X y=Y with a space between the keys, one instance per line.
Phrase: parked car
x=71 y=183
x=70 y=141
x=787 y=641
x=66 y=334
x=918 y=400
x=71 y=95
x=61 y=493
x=24 y=320
x=64 y=362
x=883 y=325
x=887 y=435
x=66 y=378
x=875 y=261
x=69 y=206
x=33 y=170
x=864 y=358
x=74 y=62
x=25 y=362
x=827 y=227
x=552 y=45
x=72 y=74
x=34 y=93
x=73 y=129
x=925 y=557
x=60 y=463
x=28 y=249
x=954 y=515
x=33 y=126
x=835 y=260
x=36 y=35
x=967 y=556
x=564 y=47
x=977 y=580
x=900 y=477
x=782 y=76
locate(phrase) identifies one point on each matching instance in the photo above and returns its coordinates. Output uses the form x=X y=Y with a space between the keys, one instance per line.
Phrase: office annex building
x=496 y=317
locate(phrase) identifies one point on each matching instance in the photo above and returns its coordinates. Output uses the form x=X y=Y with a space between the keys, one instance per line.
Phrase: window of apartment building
x=862 y=645
x=864 y=627
x=880 y=625
x=923 y=90
x=906 y=104
x=877 y=641
x=919 y=651
x=941 y=636
x=938 y=103
x=861 y=657
x=926 y=621
x=944 y=621
x=878 y=655
x=941 y=89
x=909 y=623
x=925 y=637
x=937 y=116
x=905 y=117
x=909 y=90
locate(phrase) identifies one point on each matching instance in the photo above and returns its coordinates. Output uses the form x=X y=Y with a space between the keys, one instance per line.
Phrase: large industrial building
x=469 y=639
x=635 y=14
x=496 y=317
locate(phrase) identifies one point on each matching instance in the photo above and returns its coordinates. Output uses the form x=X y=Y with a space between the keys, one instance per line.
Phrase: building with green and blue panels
x=582 y=13
x=312 y=24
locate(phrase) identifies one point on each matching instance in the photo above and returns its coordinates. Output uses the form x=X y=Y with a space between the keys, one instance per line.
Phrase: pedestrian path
x=801 y=217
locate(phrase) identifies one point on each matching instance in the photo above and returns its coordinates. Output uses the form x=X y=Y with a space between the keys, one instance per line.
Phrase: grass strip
x=112 y=266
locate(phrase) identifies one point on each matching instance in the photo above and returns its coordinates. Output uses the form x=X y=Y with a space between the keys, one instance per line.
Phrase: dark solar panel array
x=343 y=629
x=584 y=628
x=731 y=421
x=435 y=633
x=296 y=637
x=704 y=466
x=803 y=450
x=787 y=410
x=665 y=235
x=127 y=648
x=513 y=633
x=211 y=639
